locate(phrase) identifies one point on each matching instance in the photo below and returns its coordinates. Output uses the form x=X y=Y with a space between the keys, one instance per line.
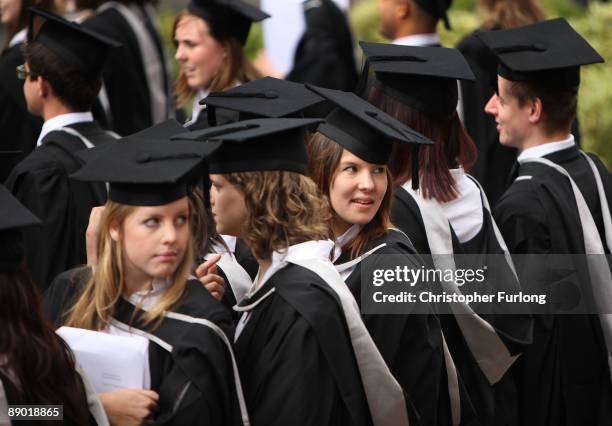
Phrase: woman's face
x=154 y=239
x=199 y=54
x=356 y=192
x=9 y=11
x=228 y=207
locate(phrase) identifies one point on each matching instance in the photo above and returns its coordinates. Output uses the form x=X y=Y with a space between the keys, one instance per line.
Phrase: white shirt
x=341 y=241
x=545 y=149
x=307 y=250
x=230 y=241
x=418 y=40
x=19 y=38
x=63 y=120
x=197 y=108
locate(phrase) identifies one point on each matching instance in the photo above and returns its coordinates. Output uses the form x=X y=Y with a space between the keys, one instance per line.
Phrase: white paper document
x=110 y=362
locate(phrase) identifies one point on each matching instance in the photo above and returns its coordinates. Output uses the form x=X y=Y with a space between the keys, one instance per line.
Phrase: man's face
x=388 y=20
x=511 y=118
x=31 y=91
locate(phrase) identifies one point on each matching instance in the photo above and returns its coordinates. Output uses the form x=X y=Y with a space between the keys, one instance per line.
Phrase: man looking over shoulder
x=62 y=77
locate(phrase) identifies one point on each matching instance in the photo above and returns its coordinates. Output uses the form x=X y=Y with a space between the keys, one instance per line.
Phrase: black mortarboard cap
x=437 y=9
x=71 y=42
x=257 y=145
x=146 y=169
x=13 y=217
x=424 y=78
x=547 y=53
x=362 y=128
x=227 y=18
x=266 y=97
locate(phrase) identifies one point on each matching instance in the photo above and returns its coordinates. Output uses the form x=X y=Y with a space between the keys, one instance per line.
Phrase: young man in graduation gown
x=413 y=22
x=556 y=211
x=62 y=79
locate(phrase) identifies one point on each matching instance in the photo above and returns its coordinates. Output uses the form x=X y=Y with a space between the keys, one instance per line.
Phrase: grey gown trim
x=238 y=279
x=384 y=394
x=598 y=267
x=488 y=349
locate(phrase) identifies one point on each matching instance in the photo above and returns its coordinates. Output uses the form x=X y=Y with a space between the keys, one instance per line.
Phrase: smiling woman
x=209 y=37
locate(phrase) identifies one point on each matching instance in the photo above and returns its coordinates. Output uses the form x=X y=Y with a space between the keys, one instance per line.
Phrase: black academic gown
x=19 y=129
x=324 y=54
x=295 y=355
x=563 y=378
x=194 y=379
x=494 y=405
x=124 y=78
x=495 y=161
x=411 y=344
x=41 y=183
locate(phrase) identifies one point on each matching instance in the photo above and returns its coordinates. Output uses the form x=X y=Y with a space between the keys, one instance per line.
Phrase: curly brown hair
x=284 y=208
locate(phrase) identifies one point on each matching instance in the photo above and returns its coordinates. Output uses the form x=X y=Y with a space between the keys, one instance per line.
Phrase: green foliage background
x=594 y=23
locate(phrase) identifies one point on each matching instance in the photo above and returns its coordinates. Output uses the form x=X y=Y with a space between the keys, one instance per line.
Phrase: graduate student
x=37 y=367
x=209 y=38
x=444 y=212
x=140 y=287
x=136 y=90
x=558 y=205
x=62 y=76
x=348 y=161
x=304 y=355
x=19 y=128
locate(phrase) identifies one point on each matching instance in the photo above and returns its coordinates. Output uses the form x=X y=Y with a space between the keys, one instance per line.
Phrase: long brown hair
x=325 y=156
x=236 y=66
x=96 y=305
x=453 y=147
x=283 y=209
x=33 y=354
x=502 y=14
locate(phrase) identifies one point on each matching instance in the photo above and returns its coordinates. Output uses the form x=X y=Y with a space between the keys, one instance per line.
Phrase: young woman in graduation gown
x=449 y=214
x=140 y=285
x=353 y=174
x=36 y=366
x=304 y=355
x=209 y=38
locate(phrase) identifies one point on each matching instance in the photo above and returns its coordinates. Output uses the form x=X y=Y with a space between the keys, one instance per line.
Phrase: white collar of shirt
x=307 y=250
x=230 y=241
x=149 y=297
x=19 y=38
x=63 y=120
x=418 y=40
x=197 y=108
x=344 y=239
x=546 y=148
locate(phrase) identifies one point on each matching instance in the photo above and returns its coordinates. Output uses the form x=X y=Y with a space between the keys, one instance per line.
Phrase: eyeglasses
x=22 y=73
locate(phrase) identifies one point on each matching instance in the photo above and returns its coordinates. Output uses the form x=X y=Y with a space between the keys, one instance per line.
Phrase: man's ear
x=403 y=8
x=535 y=110
x=43 y=87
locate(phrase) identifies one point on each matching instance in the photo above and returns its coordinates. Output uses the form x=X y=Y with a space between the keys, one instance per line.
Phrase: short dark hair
x=559 y=106
x=70 y=84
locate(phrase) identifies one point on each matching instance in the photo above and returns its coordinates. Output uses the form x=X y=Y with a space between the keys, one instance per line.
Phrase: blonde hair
x=502 y=14
x=284 y=208
x=96 y=304
x=236 y=67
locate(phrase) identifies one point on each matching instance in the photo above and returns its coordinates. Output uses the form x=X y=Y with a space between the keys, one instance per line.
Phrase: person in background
x=136 y=84
x=36 y=365
x=555 y=218
x=209 y=38
x=18 y=128
x=62 y=76
x=494 y=159
x=413 y=22
x=141 y=287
